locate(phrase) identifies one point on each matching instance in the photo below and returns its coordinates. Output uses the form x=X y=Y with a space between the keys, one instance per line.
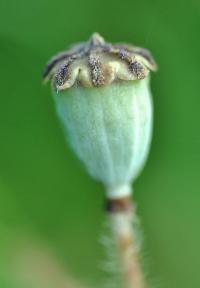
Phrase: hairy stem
x=126 y=240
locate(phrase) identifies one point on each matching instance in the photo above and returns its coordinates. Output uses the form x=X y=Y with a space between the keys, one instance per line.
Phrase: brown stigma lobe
x=97 y=63
x=53 y=62
x=138 y=69
x=62 y=73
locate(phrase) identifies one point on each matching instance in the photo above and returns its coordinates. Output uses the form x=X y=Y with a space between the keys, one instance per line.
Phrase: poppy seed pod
x=103 y=101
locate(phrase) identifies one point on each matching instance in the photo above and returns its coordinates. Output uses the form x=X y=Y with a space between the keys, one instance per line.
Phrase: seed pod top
x=98 y=63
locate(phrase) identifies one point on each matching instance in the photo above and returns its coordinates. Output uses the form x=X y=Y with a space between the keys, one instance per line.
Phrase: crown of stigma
x=97 y=63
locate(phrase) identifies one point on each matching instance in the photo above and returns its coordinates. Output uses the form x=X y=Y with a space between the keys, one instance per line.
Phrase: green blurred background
x=50 y=210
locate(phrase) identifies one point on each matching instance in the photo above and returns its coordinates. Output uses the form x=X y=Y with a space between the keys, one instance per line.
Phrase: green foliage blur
x=50 y=210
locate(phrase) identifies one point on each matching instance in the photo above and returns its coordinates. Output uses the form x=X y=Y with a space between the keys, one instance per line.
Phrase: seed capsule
x=103 y=100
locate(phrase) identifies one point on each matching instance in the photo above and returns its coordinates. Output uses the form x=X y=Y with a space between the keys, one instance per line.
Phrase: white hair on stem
x=122 y=243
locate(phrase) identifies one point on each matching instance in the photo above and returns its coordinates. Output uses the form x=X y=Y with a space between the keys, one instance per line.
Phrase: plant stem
x=121 y=216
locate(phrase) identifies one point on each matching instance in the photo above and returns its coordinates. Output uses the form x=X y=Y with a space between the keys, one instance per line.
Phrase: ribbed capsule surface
x=109 y=128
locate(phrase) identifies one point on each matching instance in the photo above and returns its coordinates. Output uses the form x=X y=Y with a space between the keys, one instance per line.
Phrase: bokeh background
x=50 y=210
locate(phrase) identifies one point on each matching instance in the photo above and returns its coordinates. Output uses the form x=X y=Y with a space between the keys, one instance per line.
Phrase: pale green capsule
x=109 y=129
x=108 y=123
